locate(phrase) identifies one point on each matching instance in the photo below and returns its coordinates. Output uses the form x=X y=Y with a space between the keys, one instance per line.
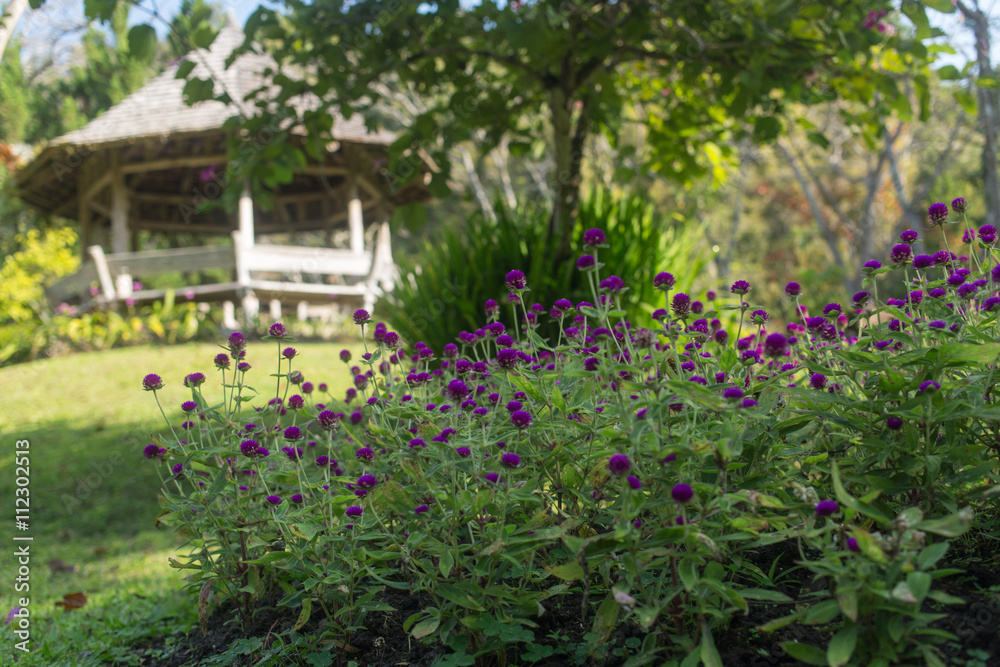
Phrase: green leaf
x=764 y=594
x=852 y=502
x=966 y=99
x=142 y=42
x=806 y=653
x=949 y=73
x=446 y=562
x=842 y=646
x=952 y=525
x=307 y=605
x=198 y=90
x=943 y=6
x=919 y=583
x=930 y=555
x=566 y=572
x=425 y=628
x=270 y=557
x=709 y=654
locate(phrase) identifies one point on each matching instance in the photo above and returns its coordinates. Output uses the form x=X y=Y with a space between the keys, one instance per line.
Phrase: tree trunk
x=989 y=114
x=8 y=21
x=567 y=140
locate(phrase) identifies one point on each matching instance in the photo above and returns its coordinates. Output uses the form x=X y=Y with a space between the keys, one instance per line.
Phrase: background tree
x=727 y=68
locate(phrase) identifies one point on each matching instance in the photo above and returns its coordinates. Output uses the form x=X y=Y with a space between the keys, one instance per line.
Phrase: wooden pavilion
x=154 y=163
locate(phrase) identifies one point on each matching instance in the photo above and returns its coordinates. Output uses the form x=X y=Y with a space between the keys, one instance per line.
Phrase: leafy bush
x=638 y=472
x=444 y=286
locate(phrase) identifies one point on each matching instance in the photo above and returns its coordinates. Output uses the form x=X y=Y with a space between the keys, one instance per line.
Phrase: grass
x=93 y=497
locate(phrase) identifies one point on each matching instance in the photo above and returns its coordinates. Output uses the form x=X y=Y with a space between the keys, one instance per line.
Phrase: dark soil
x=383 y=643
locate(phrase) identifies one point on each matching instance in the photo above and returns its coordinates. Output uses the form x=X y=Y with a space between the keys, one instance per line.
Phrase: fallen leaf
x=57 y=565
x=72 y=601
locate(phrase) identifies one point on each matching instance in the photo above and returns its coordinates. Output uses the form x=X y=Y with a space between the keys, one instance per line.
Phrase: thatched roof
x=154 y=125
x=158 y=108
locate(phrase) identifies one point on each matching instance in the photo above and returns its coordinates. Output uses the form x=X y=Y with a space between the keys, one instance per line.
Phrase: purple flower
x=593 y=237
x=634 y=482
x=894 y=423
x=958 y=205
x=793 y=289
x=288 y=353
x=923 y=261
x=189 y=406
x=493 y=477
x=740 y=287
x=222 y=361
x=900 y=253
x=872 y=265
x=367 y=481
x=681 y=304
x=353 y=511
x=277 y=330
x=937 y=324
x=936 y=293
x=732 y=393
x=520 y=418
x=296 y=498
x=682 y=493
x=937 y=213
x=663 y=280
x=928 y=387
x=361 y=316
x=585 y=262
x=908 y=236
x=249 y=448
x=510 y=459
x=236 y=343
x=464 y=452
x=613 y=284
x=852 y=545
x=152 y=382
x=817 y=381
x=619 y=464
x=748 y=403
x=293 y=433
x=988 y=234
x=507 y=358
x=327 y=420
x=274 y=500
x=515 y=280
x=991 y=304
x=365 y=454
x=151 y=451
x=860 y=297
x=826 y=508
x=421 y=509
x=775 y=345
x=591 y=363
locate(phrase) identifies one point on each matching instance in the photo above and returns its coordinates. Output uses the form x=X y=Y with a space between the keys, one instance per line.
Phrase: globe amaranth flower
x=458 y=390
x=289 y=353
x=958 y=205
x=915 y=297
x=152 y=382
x=740 y=287
x=236 y=342
x=510 y=459
x=775 y=345
x=593 y=237
x=619 y=464
x=151 y=451
x=991 y=304
x=758 y=316
x=277 y=330
x=421 y=509
x=367 y=481
x=817 y=381
x=296 y=498
x=274 y=500
x=353 y=511
x=591 y=363
x=826 y=508
x=936 y=292
x=872 y=265
x=923 y=261
x=493 y=478
x=663 y=281
x=937 y=324
x=356 y=417
x=189 y=406
x=988 y=234
x=507 y=358
x=860 y=298
x=365 y=454
x=515 y=280
x=928 y=387
x=967 y=291
x=682 y=493
x=520 y=419
x=732 y=393
x=613 y=284
x=634 y=482
x=221 y=361
x=793 y=289
x=894 y=423
x=681 y=304
x=293 y=433
x=908 y=236
x=900 y=253
x=327 y=420
x=937 y=213
x=852 y=545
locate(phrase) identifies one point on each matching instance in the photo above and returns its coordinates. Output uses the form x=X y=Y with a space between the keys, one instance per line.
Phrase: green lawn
x=93 y=496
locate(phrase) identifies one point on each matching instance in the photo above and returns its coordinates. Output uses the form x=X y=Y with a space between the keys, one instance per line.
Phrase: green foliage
x=624 y=476
x=42 y=258
x=444 y=286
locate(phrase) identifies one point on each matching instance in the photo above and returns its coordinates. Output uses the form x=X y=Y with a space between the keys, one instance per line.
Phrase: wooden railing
x=285 y=270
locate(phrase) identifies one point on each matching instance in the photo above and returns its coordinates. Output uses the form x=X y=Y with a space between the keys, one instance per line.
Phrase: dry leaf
x=72 y=601
x=57 y=565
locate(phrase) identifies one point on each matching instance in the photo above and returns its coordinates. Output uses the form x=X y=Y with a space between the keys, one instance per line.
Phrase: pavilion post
x=355 y=221
x=246 y=215
x=245 y=241
x=120 y=236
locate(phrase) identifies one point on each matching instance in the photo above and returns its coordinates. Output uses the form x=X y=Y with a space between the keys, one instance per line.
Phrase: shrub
x=639 y=470
x=444 y=286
